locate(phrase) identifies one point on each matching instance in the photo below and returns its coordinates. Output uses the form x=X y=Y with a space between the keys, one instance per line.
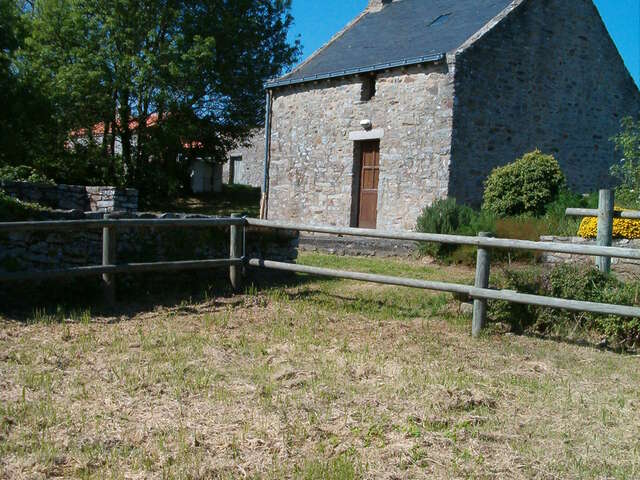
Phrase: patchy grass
x=232 y=199
x=318 y=380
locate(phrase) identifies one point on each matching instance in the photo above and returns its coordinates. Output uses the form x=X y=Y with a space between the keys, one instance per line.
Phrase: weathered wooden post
x=235 y=252
x=109 y=258
x=483 y=269
x=605 y=227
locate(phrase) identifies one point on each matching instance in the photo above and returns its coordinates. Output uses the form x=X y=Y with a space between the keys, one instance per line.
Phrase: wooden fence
x=479 y=292
x=605 y=214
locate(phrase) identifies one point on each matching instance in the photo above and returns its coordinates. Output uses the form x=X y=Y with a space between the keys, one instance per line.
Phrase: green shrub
x=526 y=186
x=449 y=218
x=571 y=282
x=22 y=173
x=12 y=210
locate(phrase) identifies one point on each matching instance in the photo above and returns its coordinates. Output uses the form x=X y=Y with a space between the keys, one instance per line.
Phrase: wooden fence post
x=483 y=269
x=235 y=252
x=605 y=227
x=109 y=258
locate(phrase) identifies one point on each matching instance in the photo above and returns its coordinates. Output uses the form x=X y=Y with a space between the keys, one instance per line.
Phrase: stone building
x=245 y=165
x=417 y=100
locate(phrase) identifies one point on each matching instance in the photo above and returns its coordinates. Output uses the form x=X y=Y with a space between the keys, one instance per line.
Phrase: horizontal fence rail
x=479 y=292
x=486 y=242
x=120 y=268
x=118 y=223
x=110 y=267
x=471 y=291
x=589 y=212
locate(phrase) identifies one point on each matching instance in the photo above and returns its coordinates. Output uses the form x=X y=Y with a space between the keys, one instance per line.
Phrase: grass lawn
x=321 y=379
x=232 y=199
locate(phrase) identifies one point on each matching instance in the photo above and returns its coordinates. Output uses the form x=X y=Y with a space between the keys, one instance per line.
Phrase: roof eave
x=355 y=71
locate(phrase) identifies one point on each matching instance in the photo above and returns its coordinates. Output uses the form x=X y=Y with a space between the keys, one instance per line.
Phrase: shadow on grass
x=232 y=199
x=392 y=304
x=81 y=298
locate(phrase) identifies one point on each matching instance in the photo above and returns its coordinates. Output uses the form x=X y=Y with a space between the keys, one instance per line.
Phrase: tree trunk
x=125 y=137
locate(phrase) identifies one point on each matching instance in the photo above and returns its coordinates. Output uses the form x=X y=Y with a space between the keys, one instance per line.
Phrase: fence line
x=120 y=268
x=487 y=242
x=119 y=223
x=593 y=212
x=471 y=291
x=605 y=213
x=479 y=292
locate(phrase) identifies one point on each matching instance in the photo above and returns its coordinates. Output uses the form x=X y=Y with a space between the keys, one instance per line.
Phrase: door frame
x=356 y=180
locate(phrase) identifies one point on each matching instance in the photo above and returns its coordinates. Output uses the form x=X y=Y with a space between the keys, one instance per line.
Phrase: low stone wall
x=21 y=251
x=358 y=246
x=111 y=199
x=619 y=265
x=74 y=197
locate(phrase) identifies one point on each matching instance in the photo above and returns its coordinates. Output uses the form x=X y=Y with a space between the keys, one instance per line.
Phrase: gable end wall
x=548 y=76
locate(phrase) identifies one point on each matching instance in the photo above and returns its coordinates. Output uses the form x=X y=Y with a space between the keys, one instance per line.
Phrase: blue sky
x=316 y=21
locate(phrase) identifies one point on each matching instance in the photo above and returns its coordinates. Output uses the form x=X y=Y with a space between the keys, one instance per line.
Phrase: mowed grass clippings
x=320 y=380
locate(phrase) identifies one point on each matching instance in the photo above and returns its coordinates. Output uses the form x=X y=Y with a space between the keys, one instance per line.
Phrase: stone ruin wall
x=42 y=250
x=74 y=197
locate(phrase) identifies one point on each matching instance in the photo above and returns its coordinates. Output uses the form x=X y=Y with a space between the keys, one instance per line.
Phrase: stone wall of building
x=74 y=197
x=548 y=76
x=312 y=157
x=42 y=250
x=623 y=266
x=250 y=169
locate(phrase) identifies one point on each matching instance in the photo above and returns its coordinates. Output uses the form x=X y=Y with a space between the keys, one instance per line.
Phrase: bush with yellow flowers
x=622 y=227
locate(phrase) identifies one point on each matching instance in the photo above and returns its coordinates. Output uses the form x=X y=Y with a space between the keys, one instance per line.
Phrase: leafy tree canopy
x=141 y=79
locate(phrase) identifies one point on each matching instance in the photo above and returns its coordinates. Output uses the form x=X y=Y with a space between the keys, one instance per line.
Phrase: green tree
x=159 y=74
x=25 y=113
x=627 y=171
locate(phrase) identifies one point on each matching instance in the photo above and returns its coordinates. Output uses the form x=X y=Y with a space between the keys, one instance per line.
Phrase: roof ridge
x=490 y=25
x=347 y=27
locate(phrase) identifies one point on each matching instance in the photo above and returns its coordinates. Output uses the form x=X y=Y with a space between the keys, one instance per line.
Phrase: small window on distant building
x=440 y=20
x=368 y=88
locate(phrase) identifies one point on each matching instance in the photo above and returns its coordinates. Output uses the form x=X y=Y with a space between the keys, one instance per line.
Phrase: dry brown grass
x=325 y=380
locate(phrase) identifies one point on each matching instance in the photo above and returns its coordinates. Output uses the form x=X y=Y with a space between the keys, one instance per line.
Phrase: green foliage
x=448 y=217
x=22 y=173
x=556 y=222
x=627 y=171
x=152 y=79
x=12 y=210
x=79 y=80
x=27 y=127
x=527 y=185
x=571 y=282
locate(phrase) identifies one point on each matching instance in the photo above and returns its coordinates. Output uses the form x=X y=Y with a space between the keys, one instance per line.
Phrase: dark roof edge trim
x=353 y=71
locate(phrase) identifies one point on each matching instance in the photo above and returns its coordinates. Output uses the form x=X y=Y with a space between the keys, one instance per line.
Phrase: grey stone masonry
x=20 y=251
x=249 y=169
x=312 y=155
x=542 y=74
x=546 y=76
x=623 y=266
x=74 y=197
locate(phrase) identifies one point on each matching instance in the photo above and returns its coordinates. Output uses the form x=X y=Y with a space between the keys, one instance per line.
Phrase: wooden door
x=369 y=176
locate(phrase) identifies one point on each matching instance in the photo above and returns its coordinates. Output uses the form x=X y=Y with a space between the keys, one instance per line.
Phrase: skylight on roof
x=440 y=20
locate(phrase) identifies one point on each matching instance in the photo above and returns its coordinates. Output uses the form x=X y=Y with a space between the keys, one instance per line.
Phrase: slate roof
x=404 y=31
